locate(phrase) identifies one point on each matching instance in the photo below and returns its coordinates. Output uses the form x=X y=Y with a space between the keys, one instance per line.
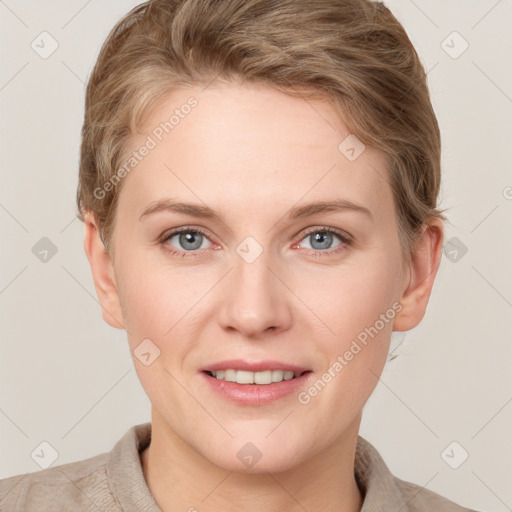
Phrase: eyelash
x=346 y=241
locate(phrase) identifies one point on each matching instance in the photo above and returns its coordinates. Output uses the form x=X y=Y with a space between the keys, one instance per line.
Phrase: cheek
x=351 y=298
x=160 y=300
x=360 y=313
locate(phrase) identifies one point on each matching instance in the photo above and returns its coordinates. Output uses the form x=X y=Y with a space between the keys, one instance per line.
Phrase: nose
x=255 y=299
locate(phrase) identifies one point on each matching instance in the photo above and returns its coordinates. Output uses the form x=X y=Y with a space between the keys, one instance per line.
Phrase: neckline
x=127 y=480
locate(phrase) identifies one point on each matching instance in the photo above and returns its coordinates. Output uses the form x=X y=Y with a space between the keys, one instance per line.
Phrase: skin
x=251 y=153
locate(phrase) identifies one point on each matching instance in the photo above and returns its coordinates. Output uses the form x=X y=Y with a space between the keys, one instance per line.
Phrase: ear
x=425 y=260
x=102 y=273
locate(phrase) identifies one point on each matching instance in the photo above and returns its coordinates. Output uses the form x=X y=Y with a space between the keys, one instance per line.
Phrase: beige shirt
x=114 y=481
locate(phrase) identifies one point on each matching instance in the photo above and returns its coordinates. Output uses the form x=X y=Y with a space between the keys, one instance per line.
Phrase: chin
x=256 y=457
x=276 y=464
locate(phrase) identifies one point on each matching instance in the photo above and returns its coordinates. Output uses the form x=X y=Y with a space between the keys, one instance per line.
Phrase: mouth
x=265 y=377
x=255 y=383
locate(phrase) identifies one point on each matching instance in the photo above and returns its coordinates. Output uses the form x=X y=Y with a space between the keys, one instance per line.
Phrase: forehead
x=255 y=145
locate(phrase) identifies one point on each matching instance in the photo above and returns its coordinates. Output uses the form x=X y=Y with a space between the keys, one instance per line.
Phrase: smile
x=248 y=377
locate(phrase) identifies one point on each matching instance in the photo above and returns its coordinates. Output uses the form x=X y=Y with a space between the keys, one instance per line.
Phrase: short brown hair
x=353 y=52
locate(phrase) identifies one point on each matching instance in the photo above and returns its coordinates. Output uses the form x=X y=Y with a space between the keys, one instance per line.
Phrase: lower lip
x=256 y=394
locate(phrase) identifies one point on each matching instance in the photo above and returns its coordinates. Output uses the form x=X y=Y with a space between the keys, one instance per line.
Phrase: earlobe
x=423 y=266
x=102 y=273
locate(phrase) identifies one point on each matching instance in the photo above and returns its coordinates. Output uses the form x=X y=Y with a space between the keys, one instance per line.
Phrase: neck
x=181 y=479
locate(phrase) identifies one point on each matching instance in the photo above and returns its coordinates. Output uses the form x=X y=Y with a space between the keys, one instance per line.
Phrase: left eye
x=322 y=239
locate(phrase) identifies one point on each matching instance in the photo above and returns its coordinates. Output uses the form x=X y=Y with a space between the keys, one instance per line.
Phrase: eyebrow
x=200 y=211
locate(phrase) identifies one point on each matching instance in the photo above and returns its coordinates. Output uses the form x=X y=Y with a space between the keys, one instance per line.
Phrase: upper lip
x=253 y=366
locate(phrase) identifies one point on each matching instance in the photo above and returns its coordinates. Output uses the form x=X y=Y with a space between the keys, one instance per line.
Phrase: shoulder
x=419 y=499
x=81 y=485
x=111 y=481
x=384 y=491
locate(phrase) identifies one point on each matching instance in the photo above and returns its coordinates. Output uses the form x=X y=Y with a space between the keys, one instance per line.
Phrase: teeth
x=246 y=377
x=277 y=375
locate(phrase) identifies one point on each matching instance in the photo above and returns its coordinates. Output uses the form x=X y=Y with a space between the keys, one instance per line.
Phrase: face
x=263 y=282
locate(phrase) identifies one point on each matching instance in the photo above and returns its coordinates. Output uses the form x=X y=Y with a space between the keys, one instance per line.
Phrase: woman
x=258 y=182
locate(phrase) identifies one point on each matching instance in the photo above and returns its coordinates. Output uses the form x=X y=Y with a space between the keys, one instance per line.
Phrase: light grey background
x=67 y=377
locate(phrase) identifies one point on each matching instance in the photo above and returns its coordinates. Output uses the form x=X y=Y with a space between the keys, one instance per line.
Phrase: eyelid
x=321 y=229
x=345 y=238
x=183 y=229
